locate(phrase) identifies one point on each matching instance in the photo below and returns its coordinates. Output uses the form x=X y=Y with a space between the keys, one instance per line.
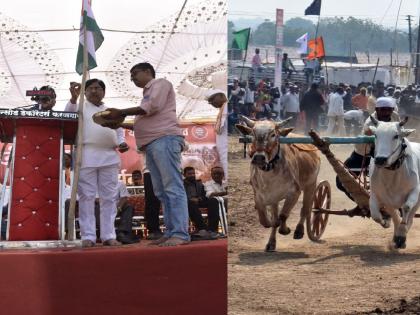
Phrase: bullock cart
x=357 y=187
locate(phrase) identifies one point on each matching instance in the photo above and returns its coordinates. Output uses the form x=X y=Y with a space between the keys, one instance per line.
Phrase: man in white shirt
x=354 y=120
x=100 y=166
x=336 y=112
x=291 y=105
x=217 y=99
x=216 y=187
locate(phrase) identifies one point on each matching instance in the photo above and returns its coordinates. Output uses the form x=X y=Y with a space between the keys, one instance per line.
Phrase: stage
x=132 y=279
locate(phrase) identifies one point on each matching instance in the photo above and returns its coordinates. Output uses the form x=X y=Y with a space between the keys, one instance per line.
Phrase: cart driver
x=360 y=157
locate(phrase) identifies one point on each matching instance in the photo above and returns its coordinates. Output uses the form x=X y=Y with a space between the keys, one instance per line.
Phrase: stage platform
x=128 y=280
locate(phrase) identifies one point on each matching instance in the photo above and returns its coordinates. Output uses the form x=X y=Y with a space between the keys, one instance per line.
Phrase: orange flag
x=316 y=48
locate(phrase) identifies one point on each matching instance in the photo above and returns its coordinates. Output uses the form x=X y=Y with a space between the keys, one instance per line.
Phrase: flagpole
x=79 y=142
x=246 y=53
x=316 y=34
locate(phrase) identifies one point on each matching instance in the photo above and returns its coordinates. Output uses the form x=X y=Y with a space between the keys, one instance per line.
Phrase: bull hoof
x=386 y=223
x=270 y=247
x=399 y=242
x=299 y=232
x=284 y=231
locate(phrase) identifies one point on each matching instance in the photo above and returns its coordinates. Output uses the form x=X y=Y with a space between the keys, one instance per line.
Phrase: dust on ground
x=352 y=271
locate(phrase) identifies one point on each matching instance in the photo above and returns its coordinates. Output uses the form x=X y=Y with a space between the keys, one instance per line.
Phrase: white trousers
x=222 y=149
x=104 y=181
x=336 y=122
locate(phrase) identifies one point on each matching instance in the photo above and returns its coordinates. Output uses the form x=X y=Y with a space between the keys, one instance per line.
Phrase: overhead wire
x=372 y=31
x=395 y=34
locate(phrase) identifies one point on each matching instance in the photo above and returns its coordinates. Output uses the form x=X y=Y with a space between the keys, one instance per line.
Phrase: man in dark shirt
x=311 y=104
x=44 y=102
x=196 y=196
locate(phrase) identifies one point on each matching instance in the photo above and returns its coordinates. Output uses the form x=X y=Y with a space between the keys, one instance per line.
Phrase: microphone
x=26 y=106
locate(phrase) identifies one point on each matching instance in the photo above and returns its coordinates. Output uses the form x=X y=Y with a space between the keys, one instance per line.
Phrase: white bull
x=394 y=177
x=280 y=172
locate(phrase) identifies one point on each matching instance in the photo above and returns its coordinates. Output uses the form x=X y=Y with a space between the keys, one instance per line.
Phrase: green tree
x=265 y=34
x=339 y=35
x=231 y=29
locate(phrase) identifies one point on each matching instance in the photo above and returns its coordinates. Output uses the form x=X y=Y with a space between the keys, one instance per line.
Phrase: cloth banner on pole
x=314 y=8
x=94 y=38
x=240 y=39
x=316 y=48
x=303 y=41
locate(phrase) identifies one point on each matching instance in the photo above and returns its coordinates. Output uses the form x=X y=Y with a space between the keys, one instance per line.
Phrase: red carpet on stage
x=135 y=279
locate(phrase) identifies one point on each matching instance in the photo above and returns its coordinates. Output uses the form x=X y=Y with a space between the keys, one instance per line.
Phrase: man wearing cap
x=44 y=102
x=360 y=157
x=217 y=99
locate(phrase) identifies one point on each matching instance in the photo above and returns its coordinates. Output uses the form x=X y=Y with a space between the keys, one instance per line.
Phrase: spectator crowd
x=333 y=109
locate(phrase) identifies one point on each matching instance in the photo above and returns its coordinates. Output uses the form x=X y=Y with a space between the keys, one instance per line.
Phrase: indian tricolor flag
x=94 y=37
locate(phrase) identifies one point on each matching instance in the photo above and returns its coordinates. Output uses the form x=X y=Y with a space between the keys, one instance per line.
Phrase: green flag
x=240 y=39
x=94 y=38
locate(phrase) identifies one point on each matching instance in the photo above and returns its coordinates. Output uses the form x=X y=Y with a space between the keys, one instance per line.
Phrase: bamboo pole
x=79 y=141
x=246 y=53
x=358 y=192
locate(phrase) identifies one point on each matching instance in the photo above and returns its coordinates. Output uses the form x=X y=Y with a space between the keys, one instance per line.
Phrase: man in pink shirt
x=256 y=61
x=158 y=134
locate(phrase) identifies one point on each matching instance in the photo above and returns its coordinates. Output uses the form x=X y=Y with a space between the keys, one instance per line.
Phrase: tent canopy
x=184 y=40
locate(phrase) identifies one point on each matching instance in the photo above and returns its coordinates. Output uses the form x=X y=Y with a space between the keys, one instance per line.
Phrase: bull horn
x=283 y=122
x=374 y=121
x=249 y=122
x=404 y=121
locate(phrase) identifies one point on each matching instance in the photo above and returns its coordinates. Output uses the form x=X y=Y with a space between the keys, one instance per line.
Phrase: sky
x=383 y=12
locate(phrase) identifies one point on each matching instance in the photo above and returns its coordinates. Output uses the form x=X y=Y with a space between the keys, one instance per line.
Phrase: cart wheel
x=317 y=222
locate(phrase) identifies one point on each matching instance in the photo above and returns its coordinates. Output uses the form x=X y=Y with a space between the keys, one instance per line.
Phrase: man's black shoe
x=127 y=239
x=154 y=236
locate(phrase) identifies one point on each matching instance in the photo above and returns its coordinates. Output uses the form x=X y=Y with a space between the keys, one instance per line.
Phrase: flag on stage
x=303 y=41
x=94 y=37
x=316 y=48
x=241 y=38
x=314 y=8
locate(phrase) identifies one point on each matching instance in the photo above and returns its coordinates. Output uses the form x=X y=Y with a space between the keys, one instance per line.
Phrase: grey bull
x=394 y=178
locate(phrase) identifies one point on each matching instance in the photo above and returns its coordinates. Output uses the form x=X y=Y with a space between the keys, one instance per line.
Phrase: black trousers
x=311 y=120
x=213 y=214
x=126 y=217
x=125 y=225
x=195 y=214
x=152 y=205
x=355 y=161
x=213 y=217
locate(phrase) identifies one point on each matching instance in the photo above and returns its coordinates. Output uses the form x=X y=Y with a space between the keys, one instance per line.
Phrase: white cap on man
x=385 y=102
x=212 y=92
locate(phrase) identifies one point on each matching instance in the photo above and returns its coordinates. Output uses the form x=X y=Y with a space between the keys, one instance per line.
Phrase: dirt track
x=351 y=271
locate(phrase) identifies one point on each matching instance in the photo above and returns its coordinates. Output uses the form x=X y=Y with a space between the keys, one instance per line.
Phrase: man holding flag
x=97 y=162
